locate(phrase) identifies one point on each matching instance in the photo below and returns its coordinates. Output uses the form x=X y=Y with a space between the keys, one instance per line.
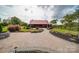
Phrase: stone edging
x=64 y=36
x=4 y=35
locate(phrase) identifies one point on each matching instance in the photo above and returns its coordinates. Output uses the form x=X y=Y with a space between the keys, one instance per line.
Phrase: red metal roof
x=38 y=22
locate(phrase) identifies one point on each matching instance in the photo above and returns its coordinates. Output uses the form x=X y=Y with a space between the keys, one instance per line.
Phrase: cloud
x=48 y=13
x=61 y=10
x=26 y=13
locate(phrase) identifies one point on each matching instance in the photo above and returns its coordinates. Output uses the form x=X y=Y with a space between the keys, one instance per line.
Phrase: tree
x=0 y=19
x=5 y=22
x=63 y=23
x=23 y=24
x=0 y=27
x=69 y=18
x=54 y=21
x=76 y=13
x=15 y=20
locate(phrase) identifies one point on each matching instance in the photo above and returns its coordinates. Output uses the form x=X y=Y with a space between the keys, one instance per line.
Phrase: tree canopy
x=15 y=20
x=54 y=21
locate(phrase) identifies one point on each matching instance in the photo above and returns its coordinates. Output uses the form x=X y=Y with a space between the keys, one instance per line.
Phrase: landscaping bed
x=17 y=28
x=65 y=34
x=34 y=30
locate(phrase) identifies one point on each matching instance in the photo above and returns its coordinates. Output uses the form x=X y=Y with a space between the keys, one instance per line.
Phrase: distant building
x=39 y=23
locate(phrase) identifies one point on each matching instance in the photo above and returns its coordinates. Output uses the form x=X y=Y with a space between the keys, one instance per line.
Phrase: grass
x=24 y=29
x=64 y=31
x=4 y=29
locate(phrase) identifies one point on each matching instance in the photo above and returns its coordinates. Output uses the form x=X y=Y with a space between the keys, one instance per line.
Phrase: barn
x=39 y=23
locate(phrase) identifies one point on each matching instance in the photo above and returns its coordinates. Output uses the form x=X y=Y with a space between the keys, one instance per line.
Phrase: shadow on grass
x=65 y=37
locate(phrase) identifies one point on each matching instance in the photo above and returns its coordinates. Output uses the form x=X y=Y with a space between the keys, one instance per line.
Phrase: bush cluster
x=14 y=28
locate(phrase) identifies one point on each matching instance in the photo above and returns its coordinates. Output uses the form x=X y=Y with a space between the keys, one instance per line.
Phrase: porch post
x=30 y=25
x=47 y=26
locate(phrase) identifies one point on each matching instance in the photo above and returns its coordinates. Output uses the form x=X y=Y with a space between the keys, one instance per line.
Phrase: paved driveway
x=43 y=40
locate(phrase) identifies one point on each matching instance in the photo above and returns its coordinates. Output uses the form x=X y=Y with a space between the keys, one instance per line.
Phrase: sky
x=36 y=12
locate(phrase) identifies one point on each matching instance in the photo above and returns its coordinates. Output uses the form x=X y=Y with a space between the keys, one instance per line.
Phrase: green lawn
x=64 y=31
x=5 y=29
x=24 y=29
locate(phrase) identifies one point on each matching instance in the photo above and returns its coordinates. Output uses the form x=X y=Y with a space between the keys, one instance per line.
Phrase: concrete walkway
x=43 y=40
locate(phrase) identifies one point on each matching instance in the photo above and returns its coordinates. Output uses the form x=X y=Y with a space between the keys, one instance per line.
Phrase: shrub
x=13 y=28
x=0 y=28
x=27 y=27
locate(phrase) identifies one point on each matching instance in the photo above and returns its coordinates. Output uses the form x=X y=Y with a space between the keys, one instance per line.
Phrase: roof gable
x=38 y=22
